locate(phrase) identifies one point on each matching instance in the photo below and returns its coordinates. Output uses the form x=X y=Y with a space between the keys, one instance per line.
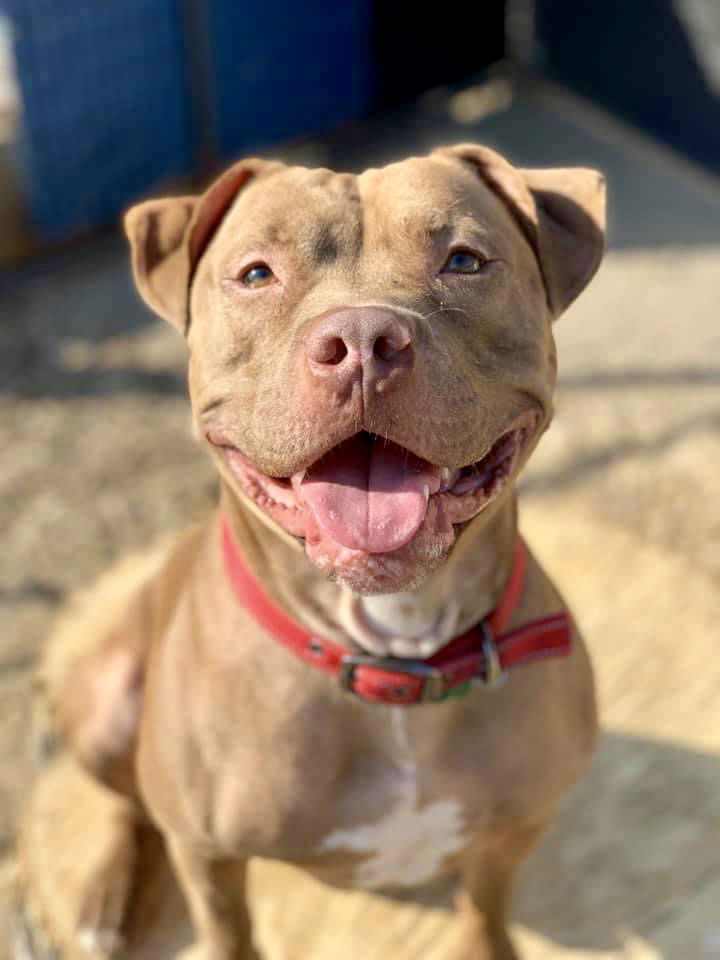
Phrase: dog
x=354 y=664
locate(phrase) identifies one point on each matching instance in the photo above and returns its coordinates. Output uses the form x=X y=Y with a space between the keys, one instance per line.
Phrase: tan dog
x=371 y=364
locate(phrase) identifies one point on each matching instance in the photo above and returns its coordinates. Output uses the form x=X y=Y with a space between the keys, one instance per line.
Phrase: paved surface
x=621 y=498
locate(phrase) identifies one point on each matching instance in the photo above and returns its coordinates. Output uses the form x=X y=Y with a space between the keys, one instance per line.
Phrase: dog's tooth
x=426 y=491
x=296 y=480
x=447 y=478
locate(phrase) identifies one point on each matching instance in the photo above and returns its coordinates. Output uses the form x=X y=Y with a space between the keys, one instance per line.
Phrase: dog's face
x=372 y=357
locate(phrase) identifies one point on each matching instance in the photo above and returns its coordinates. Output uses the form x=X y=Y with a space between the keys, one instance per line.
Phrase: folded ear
x=168 y=237
x=561 y=211
x=570 y=204
x=156 y=230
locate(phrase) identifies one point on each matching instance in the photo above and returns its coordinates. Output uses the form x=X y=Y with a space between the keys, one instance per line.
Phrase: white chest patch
x=407 y=846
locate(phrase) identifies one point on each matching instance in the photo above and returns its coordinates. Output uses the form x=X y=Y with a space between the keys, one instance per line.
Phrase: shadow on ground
x=632 y=843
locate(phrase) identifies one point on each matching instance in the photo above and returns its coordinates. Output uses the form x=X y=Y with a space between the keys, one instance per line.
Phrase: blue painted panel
x=105 y=114
x=285 y=69
x=111 y=89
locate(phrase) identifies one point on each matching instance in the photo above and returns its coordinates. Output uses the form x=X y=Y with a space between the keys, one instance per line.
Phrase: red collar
x=479 y=656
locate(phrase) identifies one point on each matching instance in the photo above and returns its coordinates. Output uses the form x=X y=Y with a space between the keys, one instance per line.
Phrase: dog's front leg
x=484 y=901
x=215 y=894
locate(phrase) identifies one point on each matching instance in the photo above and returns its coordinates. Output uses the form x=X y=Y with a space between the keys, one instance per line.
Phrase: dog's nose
x=369 y=341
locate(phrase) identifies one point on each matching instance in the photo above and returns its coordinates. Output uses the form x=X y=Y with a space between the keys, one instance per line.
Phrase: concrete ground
x=620 y=499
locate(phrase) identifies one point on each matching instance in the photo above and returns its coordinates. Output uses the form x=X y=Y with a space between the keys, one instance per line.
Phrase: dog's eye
x=259 y=275
x=463 y=261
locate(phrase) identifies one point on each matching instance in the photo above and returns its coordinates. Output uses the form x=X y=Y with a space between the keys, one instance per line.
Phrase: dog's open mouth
x=370 y=496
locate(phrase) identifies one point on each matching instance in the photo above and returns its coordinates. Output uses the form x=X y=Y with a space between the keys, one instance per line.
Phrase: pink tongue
x=368 y=494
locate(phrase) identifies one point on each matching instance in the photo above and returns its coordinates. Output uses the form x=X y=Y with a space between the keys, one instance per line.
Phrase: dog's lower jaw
x=367 y=574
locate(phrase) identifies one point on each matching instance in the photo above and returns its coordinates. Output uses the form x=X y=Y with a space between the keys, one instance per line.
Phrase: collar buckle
x=433 y=682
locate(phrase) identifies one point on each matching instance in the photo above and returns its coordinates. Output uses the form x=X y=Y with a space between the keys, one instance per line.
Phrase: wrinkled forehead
x=326 y=215
x=293 y=206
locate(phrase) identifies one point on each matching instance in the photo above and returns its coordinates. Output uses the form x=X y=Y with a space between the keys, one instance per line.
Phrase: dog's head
x=372 y=357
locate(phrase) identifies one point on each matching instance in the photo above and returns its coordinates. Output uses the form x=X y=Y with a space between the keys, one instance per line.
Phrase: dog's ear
x=168 y=236
x=156 y=230
x=561 y=211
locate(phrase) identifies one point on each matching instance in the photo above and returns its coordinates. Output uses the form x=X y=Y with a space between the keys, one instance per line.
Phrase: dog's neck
x=415 y=623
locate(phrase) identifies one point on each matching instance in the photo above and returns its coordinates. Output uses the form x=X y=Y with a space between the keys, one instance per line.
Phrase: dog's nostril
x=386 y=349
x=331 y=350
x=339 y=351
x=383 y=348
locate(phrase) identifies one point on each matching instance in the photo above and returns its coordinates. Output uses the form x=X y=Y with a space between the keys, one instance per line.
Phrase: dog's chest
x=409 y=842
x=372 y=813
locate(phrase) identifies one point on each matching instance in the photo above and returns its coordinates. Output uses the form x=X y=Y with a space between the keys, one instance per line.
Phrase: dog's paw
x=105 y=900
x=99 y=943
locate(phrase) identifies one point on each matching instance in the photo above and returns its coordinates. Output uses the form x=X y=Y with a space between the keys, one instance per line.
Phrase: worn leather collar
x=479 y=657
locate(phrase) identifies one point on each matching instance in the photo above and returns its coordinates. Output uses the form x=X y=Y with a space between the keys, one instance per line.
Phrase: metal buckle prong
x=495 y=675
x=433 y=682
